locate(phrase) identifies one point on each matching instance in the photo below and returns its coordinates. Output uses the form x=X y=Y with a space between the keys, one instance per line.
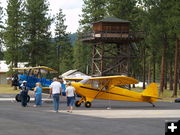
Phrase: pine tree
x=1 y=32
x=63 y=45
x=14 y=31
x=173 y=19
x=123 y=9
x=37 y=24
x=82 y=57
x=93 y=10
x=162 y=21
x=1 y=25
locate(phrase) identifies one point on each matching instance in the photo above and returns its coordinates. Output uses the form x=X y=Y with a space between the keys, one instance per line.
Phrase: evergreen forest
x=25 y=36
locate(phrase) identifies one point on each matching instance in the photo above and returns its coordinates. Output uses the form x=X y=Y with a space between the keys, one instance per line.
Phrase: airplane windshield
x=98 y=84
x=40 y=73
x=84 y=81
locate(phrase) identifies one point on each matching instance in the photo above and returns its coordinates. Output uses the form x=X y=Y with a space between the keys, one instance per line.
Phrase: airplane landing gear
x=152 y=104
x=18 y=98
x=77 y=104
x=87 y=104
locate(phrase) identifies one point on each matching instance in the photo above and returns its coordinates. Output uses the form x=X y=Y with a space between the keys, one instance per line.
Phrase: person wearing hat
x=24 y=93
x=70 y=93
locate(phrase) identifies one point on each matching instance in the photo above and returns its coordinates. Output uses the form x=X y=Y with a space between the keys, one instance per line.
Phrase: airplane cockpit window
x=34 y=73
x=25 y=72
x=123 y=86
x=95 y=84
x=84 y=81
x=104 y=84
x=90 y=83
x=98 y=84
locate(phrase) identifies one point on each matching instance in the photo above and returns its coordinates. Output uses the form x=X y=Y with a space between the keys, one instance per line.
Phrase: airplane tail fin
x=151 y=92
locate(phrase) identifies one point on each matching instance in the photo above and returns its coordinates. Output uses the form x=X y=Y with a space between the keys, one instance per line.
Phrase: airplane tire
x=77 y=104
x=28 y=98
x=18 y=98
x=88 y=104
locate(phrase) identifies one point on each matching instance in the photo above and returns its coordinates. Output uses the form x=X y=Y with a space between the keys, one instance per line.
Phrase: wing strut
x=101 y=89
x=152 y=104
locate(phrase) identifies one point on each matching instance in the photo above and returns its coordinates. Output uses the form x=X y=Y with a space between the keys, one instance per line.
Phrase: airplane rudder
x=152 y=89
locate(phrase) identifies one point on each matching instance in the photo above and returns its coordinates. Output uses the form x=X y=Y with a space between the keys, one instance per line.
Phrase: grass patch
x=166 y=96
x=7 y=89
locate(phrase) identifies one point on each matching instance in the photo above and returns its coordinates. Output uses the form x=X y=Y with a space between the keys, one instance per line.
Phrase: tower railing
x=112 y=34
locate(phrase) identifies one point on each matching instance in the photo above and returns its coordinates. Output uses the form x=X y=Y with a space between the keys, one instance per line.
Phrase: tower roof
x=113 y=19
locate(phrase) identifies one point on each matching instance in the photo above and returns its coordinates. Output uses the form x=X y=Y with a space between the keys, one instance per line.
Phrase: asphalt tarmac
x=119 y=120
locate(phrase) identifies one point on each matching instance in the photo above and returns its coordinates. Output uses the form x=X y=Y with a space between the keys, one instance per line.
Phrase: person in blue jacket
x=38 y=95
x=63 y=86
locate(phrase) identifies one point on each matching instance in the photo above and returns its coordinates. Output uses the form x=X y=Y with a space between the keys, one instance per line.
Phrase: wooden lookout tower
x=113 y=46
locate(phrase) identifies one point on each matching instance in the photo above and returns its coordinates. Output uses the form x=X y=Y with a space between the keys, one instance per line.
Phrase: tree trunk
x=144 y=67
x=149 y=74
x=163 y=65
x=179 y=79
x=176 y=68
x=134 y=77
x=165 y=78
x=58 y=58
x=162 y=74
x=154 y=70
x=170 y=77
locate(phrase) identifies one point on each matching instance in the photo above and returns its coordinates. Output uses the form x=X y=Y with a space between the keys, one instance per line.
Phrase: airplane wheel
x=18 y=98
x=77 y=104
x=88 y=104
x=28 y=98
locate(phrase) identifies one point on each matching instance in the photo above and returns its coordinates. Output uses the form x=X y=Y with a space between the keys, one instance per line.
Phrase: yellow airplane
x=113 y=88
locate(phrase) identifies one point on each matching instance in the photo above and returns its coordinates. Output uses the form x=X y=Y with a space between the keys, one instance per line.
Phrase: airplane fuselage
x=112 y=93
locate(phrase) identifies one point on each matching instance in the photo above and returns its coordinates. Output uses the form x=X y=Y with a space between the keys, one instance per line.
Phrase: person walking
x=70 y=93
x=38 y=95
x=15 y=81
x=55 y=90
x=24 y=94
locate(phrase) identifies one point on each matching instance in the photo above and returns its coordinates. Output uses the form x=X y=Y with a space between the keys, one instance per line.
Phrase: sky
x=71 y=8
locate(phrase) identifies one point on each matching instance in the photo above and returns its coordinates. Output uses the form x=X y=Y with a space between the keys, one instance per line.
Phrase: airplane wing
x=40 y=67
x=45 y=68
x=76 y=79
x=113 y=80
x=25 y=68
x=117 y=80
x=73 y=79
